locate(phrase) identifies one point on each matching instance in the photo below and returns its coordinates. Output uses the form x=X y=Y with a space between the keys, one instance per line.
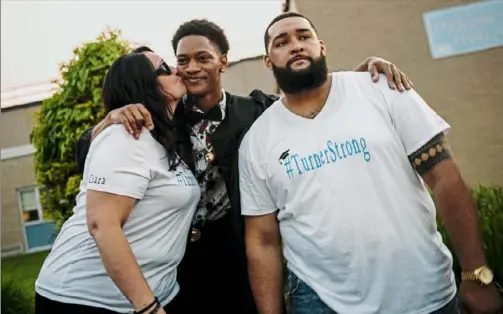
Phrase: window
x=30 y=204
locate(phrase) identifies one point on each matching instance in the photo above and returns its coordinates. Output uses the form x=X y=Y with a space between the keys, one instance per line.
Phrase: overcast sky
x=36 y=36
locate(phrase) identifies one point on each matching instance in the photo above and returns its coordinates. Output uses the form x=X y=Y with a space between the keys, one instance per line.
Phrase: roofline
x=259 y=57
x=21 y=106
x=27 y=94
x=33 y=94
x=17 y=151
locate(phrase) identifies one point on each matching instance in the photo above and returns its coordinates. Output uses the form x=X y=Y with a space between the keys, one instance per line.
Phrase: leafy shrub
x=489 y=201
x=65 y=116
x=16 y=298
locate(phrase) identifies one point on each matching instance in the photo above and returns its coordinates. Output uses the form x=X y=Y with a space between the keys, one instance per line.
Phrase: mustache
x=310 y=59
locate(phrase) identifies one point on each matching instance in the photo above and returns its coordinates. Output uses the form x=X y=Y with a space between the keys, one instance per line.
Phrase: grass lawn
x=24 y=268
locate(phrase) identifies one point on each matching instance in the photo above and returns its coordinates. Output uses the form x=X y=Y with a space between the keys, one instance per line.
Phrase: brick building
x=23 y=226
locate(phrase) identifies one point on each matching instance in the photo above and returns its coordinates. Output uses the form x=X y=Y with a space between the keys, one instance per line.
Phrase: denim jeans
x=303 y=300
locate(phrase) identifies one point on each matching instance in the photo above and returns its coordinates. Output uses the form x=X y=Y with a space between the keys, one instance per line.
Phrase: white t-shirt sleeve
x=117 y=163
x=256 y=198
x=415 y=122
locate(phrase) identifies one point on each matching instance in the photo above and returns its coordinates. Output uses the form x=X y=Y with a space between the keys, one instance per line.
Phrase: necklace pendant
x=209 y=157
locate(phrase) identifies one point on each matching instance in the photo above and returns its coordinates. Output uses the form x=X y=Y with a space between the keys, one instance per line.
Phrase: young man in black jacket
x=213 y=274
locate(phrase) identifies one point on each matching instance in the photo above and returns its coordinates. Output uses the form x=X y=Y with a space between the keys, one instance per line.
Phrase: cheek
x=279 y=59
x=314 y=50
x=163 y=83
x=213 y=75
x=171 y=85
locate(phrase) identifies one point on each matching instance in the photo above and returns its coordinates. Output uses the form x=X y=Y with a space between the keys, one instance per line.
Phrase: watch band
x=469 y=276
x=482 y=275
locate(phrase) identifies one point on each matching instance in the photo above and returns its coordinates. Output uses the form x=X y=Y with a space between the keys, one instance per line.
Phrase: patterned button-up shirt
x=214 y=202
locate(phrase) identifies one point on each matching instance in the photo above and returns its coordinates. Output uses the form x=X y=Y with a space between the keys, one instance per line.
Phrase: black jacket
x=240 y=114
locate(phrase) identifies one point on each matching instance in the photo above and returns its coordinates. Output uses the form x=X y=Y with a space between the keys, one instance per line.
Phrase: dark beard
x=297 y=81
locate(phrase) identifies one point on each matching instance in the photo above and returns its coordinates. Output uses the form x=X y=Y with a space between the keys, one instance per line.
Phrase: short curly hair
x=202 y=27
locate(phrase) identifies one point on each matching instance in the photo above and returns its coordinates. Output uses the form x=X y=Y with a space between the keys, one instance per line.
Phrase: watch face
x=486 y=276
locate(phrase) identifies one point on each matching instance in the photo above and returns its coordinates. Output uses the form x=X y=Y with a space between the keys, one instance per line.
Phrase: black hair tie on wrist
x=156 y=308
x=146 y=308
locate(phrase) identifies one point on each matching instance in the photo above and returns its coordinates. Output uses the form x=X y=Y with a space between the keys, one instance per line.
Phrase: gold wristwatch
x=482 y=275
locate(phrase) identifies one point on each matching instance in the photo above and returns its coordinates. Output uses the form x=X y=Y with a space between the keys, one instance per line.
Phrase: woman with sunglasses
x=119 y=251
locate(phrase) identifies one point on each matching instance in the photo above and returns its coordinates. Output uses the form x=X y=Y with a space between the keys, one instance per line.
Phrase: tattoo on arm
x=430 y=154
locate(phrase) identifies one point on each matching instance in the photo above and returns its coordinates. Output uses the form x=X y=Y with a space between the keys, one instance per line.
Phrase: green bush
x=65 y=116
x=489 y=201
x=16 y=298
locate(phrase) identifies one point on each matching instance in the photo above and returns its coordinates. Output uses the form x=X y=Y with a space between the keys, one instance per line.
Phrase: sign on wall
x=464 y=29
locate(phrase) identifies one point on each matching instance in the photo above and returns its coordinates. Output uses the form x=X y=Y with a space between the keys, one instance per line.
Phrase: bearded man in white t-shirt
x=343 y=165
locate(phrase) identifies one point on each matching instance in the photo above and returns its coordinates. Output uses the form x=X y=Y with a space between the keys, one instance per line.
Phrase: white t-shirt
x=157 y=228
x=357 y=222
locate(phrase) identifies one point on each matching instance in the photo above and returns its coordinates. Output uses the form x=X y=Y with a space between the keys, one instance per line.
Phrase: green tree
x=74 y=107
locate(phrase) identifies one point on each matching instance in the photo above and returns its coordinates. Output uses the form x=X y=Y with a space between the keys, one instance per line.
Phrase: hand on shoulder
x=133 y=117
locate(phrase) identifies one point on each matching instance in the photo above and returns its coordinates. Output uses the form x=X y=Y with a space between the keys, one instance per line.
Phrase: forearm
x=265 y=268
x=103 y=124
x=459 y=215
x=121 y=265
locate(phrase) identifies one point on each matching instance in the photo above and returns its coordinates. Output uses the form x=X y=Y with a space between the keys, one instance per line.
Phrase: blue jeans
x=303 y=300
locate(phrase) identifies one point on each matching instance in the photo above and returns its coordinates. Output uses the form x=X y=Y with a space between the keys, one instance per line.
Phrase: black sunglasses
x=163 y=69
